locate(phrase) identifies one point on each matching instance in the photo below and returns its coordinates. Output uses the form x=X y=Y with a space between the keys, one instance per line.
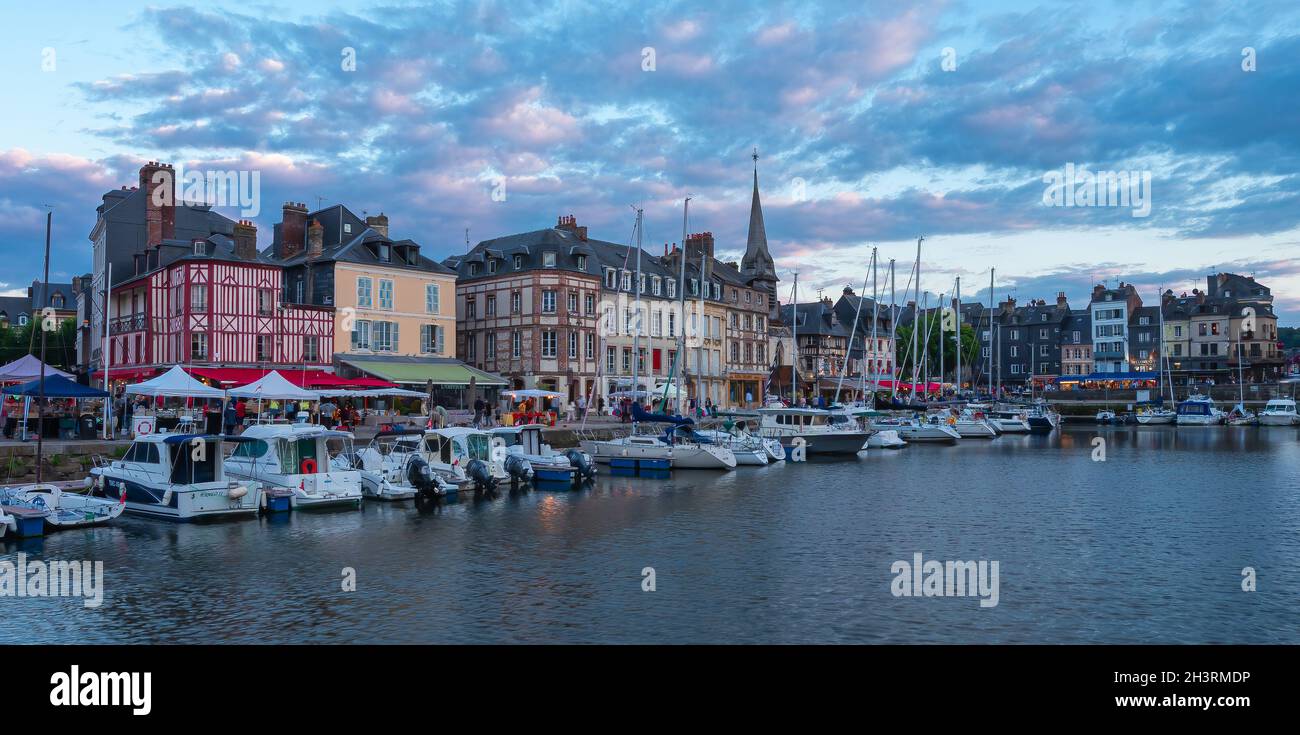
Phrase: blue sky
x=865 y=135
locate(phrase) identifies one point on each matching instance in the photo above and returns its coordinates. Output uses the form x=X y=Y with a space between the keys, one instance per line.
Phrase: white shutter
x=440 y=332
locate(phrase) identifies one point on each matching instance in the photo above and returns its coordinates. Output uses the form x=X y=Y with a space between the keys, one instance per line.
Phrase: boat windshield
x=479 y=446
x=294 y=453
x=193 y=464
x=509 y=438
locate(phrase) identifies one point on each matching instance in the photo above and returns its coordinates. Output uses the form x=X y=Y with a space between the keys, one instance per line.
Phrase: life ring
x=307 y=466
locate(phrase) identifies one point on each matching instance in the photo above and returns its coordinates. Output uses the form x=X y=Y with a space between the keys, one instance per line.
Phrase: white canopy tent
x=273 y=385
x=175 y=383
x=27 y=368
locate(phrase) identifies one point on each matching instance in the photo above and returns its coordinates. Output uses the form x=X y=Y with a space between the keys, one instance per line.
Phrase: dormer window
x=627 y=280
x=519 y=262
x=347 y=228
x=695 y=287
x=611 y=279
x=492 y=265
x=582 y=262
x=548 y=259
x=672 y=288
x=656 y=285
x=385 y=252
x=473 y=269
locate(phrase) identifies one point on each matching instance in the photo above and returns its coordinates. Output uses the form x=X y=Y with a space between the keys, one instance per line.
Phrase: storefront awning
x=228 y=377
x=129 y=374
x=452 y=373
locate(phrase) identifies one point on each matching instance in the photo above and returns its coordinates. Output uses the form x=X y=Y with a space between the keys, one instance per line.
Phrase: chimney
x=1008 y=306
x=848 y=291
x=378 y=224
x=315 y=239
x=567 y=222
x=245 y=240
x=1061 y=301
x=158 y=180
x=1200 y=295
x=1097 y=291
x=582 y=232
x=293 y=227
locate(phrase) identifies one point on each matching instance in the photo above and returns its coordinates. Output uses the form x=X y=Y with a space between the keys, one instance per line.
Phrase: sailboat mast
x=893 y=333
x=941 y=333
x=875 y=321
x=991 y=345
x=957 y=313
x=636 y=288
x=794 y=336
x=854 y=333
x=681 y=301
x=699 y=349
x=916 y=322
x=40 y=323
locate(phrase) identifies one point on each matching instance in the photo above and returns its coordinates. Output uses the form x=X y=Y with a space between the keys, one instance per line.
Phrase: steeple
x=757 y=264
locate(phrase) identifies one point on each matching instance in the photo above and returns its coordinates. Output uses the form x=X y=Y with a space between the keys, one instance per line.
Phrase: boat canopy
x=641 y=415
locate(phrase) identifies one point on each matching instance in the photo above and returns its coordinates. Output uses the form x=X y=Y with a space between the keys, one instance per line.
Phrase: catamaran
x=176 y=476
x=297 y=457
x=1279 y=412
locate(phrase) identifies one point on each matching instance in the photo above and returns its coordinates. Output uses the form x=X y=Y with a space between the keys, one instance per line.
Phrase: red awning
x=905 y=385
x=126 y=374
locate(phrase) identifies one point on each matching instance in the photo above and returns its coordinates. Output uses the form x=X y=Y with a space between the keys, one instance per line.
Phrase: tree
x=60 y=345
x=930 y=324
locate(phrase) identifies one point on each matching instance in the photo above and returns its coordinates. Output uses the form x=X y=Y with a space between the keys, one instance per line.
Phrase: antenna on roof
x=319 y=200
x=467 y=241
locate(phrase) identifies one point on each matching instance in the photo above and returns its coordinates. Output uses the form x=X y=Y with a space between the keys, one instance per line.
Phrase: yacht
x=297 y=458
x=1041 y=419
x=971 y=424
x=682 y=450
x=749 y=449
x=176 y=476
x=1105 y=416
x=1010 y=421
x=1279 y=412
x=547 y=465
x=920 y=428
x=1198 y=410
x=1155 y=415
x=64 y=509
x=823 y=431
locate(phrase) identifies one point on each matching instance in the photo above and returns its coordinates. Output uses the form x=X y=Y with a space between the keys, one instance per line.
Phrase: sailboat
x=64 y=509
x=1239 y=416
x=1156 y=413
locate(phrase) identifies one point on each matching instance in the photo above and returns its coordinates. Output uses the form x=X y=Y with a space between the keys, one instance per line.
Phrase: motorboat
x=1198 y=410
x=471 y=449
x=920 y=428
x=886 y=439
x=972 y=424
x=1105 y=416
x=1041 y=419
x=64 y=509
x=176 y=476
x=298 y=458
x=546 y=464
x=396 y=465
x=749 y=449
x=1279 y=412
x=682 y=450
x=1010 y=421
x=822 y=431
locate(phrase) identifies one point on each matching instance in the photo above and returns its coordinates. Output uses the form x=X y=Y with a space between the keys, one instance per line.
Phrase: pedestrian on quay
x=229 y=418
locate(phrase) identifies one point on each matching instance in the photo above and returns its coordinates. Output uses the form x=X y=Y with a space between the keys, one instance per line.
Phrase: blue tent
x=56 y=386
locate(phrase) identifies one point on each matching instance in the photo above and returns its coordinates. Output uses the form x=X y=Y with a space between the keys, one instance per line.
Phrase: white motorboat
x=470 y=449
x=406 y=463
x=546 y=464
x=1240 y=416
x=683 y=449
x=1279 y=412
x=1153 y=415
x=176 y=476
x=972 y=425
x=920 y=429
x=64 y=509
x=1198 y=410
x=1105 y=416
x=822 y=431
x=749 y=449
x=297 y=458
x=1010 y=421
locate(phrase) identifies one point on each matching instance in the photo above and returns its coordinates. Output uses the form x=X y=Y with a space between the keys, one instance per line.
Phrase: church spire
x=757 y=263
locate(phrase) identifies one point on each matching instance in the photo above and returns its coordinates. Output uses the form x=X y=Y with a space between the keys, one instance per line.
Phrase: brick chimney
x=848 y=291
x=1008 y=306
x=245 y=240
x=1097 y=291
x=315 y=239
x=158 y=180
x=1199 y=294
x=293 y=229
x=1061 y=301
x=378 y=224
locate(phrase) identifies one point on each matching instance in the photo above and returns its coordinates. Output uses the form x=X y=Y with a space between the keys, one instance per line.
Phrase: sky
x=875 y=123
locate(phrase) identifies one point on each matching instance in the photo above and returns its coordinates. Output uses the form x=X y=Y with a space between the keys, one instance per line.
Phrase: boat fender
x=238 y=492
x=307 y=466
x=167 y=497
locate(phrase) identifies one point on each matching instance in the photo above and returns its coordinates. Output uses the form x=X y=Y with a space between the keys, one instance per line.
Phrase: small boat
x=1010 y=421
x=684 y=451
x=886 y=439
x=823 y=431
x=973 y=425
x=406 y=463
x=298 y=458
x=1105 y=416
x=1155 y=415
x=930 y=429
x=179 y=477
x=471 y=449
x=1240 y=416
x=1041 y=420
x=65 y=509
x=1198 y=410
x=1279 y=412
x=749 y=449
x=546 y=464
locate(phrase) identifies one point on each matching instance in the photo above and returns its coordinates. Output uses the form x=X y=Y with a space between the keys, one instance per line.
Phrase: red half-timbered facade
x=215 y=312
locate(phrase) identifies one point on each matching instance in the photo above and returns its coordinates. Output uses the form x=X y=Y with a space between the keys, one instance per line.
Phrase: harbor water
x=1147 y=546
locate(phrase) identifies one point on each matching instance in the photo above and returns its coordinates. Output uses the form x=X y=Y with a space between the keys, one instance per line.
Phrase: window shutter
x=439 y=331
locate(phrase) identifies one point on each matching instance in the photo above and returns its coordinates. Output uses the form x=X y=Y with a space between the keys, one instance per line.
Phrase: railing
x=133 y=323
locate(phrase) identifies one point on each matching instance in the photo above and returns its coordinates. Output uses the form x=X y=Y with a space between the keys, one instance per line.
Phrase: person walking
x=229 y=418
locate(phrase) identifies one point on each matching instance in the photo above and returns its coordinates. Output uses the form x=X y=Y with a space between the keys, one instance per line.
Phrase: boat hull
x=1148 y=420
x=974 y=430
x=886 y=439
x=1279 y=419
x=604 y=451
x=187 y=504
x=847 y=442
x=703 y=457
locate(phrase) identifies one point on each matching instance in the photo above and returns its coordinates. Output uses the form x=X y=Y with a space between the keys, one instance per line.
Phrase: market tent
x=28 y=367
x=532 y=393
x=175 y=383
x=274 y=385
x=56 y=386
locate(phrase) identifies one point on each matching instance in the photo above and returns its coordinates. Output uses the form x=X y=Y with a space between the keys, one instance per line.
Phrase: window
x=573 y=302
x=749 y=322
x=199 y=346
x=492 y=265
x=762 y=353
x=431 y=341
x=471 y=307
x=627 y=280
x=385 y=293
x=1042 y=333
x=1214 y=328
x=516 y=344
x=589 y=301
x=1144 y=321
x=717 y=291
x=265 y=352
x=431 y=299
x=695 y=287
x=642 y=284
x=1015 y=335
x=582 y=262
x=519 y=262
x=672 y=288
x=1043 y=351
x=548 y=343
x=611 y=357
x=491 y=306
x=311 y=349
x=1178 y=331
x=656 y=285
x=640 y=360
x=749 y=352
x=573 y=345
x=1144 y=337
x=749 y=296
x=265 y=301
x=735 y=351
x=656 y=326
x=473 y=269
x=516 y=302
x=1015 y=352
x=361 y=334
x=672 y=323
x=1015 y=369
x=627 y=359
x=759 y=324
x=198 y=297
x=1142 y=354
x=548 y=302
x=363 y=293
x=490 y=346
x=611 y=279
x=984 y=352
x=385 y=336
x=548 y=259
x=590 y=346
x=1204 y=328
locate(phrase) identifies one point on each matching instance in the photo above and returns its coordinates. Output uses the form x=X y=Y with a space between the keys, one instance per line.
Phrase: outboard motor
x=520 y=469
x=420 y=475
x=580 y=460
x=481 y=473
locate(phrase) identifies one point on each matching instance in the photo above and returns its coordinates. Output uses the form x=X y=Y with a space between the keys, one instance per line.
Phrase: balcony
x=1109 y=354
x=133 y=323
